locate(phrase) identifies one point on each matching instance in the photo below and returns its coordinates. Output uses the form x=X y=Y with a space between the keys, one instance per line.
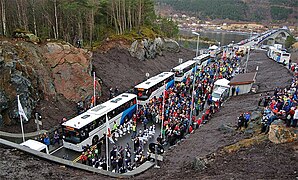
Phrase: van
x=35 y=145
x=220 y=93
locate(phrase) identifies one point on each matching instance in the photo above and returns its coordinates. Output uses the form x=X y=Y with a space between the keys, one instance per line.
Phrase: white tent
x=38 y=146
x=214 y=47
x=222 y=82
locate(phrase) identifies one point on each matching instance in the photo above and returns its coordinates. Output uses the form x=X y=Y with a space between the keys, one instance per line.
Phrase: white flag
x=109 y=135
x=21 y=110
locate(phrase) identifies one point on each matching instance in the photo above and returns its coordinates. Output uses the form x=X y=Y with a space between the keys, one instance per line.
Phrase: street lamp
x=193 y=82
x=250 y=34
x=195 y=33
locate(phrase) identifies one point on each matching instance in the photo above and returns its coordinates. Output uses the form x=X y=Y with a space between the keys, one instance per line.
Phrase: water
x=224 y=38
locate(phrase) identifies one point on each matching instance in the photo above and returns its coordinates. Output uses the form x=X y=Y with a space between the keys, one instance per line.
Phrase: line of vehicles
x=278 y=54
x=90 y=126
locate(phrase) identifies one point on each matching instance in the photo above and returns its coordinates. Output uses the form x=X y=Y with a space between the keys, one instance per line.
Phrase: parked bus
x=154 y=87
x=89 y=127
x=203 y=59
x=183 y=70
x=278 y=55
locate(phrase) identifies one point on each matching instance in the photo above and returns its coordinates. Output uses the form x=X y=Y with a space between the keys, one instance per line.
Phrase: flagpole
x=94 y=86
x=163 y=110
x=192 y=97
x=21 y=123
x=107 y=144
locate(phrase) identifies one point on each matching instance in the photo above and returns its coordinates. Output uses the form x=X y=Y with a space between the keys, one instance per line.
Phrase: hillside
x=238 y=10
x=51 y=77
x=259 y=160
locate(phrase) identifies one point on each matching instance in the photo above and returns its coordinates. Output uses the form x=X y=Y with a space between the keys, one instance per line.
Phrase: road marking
x=79 y=157
x=56 y=150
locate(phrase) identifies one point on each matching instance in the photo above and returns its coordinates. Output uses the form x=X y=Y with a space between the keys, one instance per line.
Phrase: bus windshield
x=216 y=95
x=142 y=93
x=71 y=135
x=179 y=73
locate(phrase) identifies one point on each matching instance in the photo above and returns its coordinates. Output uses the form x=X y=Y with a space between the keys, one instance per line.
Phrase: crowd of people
x=281 y=105
x=177 y=103
x=176 y=107
x=121 y=159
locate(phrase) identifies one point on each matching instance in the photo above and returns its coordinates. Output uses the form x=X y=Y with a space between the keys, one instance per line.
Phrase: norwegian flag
x=21 y=110
x=109 y=134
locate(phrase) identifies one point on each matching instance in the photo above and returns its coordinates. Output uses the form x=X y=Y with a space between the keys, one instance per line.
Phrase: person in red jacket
x=83 y=158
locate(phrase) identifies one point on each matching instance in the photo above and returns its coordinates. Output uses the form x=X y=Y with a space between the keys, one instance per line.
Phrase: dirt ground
x=118 y=69
x=261 y=161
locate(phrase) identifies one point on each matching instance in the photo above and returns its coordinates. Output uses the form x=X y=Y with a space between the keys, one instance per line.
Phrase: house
x=244 y=82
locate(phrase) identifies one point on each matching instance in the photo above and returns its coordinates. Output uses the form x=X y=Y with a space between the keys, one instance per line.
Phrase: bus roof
x=154 y=80
x=202 y=56
x=98 y=111
x=81 y=120
x=112 y=103
x=184 y=65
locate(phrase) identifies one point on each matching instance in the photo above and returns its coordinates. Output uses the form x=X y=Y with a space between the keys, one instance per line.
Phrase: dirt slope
x=265 y=161
x=118 y=68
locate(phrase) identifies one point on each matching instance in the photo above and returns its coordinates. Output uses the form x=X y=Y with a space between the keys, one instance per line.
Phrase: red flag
x=109 y=134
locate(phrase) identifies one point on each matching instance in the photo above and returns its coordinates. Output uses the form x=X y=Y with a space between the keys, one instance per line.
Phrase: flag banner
x=21 y=110
x=109 y=134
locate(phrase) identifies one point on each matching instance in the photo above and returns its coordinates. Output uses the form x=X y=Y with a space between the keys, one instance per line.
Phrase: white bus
x=154 y=87
x=278 y=55
x=89 y=127
x=203 y=60
x=183 y=70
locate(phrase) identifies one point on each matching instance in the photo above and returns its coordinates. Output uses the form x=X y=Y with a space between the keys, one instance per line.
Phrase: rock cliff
x=38 y=72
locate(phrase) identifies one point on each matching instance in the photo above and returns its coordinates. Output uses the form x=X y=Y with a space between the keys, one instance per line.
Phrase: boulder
x=255 y=115
x=158 y=43
x=226 y=128
x=137 y=50
x=249 y=131
x=70 y=70
x=200 y=164
x=279 y=133
x=171 y=45
x=54 y=47
x=148 y=49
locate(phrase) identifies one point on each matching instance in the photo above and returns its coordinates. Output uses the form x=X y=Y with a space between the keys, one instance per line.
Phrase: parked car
x=220 y=93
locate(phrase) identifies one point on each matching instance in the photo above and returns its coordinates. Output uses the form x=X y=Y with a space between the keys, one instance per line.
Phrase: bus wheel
x=95 y=140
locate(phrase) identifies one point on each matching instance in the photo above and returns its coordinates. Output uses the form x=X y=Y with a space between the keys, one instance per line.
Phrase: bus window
x=84 y=134
x=93 y=125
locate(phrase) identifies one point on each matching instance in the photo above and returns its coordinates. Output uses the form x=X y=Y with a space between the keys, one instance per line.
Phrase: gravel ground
x=262 y=161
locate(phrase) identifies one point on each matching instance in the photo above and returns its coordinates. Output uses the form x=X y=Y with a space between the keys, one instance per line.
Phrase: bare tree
x=3 y=16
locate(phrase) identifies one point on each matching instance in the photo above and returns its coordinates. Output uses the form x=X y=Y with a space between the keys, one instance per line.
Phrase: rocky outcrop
x=226 y=128
x=149 y=49
x=36 y=72
x=70 y=70
x=279 y=133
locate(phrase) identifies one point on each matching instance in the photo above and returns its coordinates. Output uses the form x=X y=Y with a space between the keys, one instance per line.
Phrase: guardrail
x=145 y=166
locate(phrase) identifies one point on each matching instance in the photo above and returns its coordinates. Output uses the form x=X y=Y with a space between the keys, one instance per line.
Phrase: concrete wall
x=68 y=163
x=243 y=89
